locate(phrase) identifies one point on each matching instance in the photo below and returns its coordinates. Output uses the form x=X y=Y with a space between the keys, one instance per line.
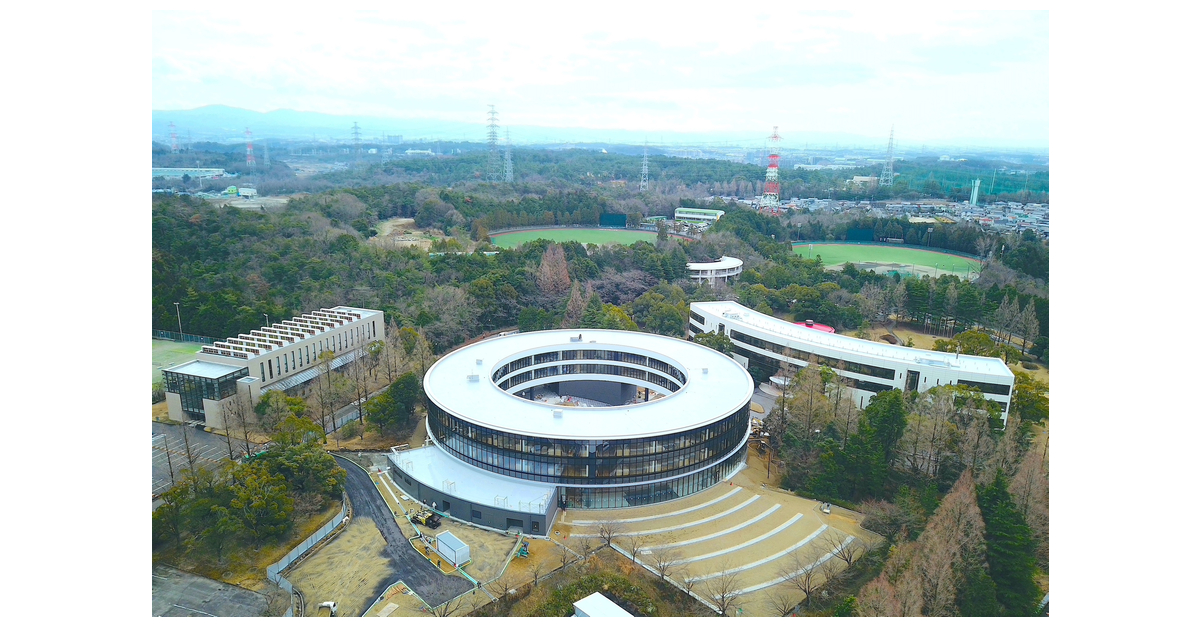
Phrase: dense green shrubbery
x=619 y=589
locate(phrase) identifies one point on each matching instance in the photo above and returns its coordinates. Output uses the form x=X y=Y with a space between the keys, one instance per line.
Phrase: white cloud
x=946 y=74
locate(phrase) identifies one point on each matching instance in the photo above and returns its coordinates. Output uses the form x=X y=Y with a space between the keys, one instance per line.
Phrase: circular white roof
x=706 y=397
x=724 y=263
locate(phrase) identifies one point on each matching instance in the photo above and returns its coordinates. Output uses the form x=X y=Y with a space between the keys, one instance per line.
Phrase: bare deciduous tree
x=501 y=585
x=553 y=277
x=535 y=568
x=781 y=601
x=634 y=543
x=878 y=598
x=810 y=407
x=836 y=544
x=724 y=590
x=610 y=530
x=238 y=417
x=584 y=545
x=803 y=577
x=1027 y=325
x=975 y=443
x=447 y=608
x=565 y=554
x=830 y=572
x=665 y=560
x=688 y=580
x=1030 y=490
x=189 y=453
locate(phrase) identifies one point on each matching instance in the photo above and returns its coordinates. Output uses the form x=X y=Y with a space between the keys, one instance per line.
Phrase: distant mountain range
x=225 y=124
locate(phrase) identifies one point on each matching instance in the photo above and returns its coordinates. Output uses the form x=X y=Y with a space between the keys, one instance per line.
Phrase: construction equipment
x=332 y=605
x=428 y=518
x=524 y=550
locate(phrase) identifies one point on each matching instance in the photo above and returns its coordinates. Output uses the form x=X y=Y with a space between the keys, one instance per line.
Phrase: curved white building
x=767 y=342
x=665 y=419
x=722 y=269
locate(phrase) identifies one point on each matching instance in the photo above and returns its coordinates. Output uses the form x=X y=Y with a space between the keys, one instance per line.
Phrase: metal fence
x=175 y=336
x=956 y=253
x=274 y=569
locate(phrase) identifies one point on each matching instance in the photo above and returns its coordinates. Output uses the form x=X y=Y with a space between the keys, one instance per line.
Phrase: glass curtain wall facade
x=192 y=389
x=646 y=494
x=594 y=462
x=674 y=379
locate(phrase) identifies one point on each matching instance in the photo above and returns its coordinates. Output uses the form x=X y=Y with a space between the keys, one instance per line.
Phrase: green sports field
x=886 y=259
x=583 y=236
x=166 y=353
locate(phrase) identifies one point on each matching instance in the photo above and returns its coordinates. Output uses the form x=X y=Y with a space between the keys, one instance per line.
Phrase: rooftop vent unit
x=578 y=338
x=473 y=377
x=558 y=414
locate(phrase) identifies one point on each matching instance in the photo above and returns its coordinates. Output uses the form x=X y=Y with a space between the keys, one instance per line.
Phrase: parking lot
x=169 y=452
x=176 y=593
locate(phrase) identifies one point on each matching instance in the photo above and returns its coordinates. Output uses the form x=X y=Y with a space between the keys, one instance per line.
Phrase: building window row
x=598 y=355
x=833 y=362
x=646 y=494
x=582 y=462
x=987 y=388
x=602 y=369
x=303 y=356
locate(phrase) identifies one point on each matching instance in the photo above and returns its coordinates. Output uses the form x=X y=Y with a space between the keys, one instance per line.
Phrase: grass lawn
x=166 y=353
x=583 y=236
x=925 y=261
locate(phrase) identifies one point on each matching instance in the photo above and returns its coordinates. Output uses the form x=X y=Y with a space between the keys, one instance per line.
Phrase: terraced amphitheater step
x=690 y=520
x=751 y=542
x=686 y=510
x=751 y=577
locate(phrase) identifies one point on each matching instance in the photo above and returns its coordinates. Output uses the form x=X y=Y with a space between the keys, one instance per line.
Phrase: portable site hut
x=452 y=549
x=597 y=605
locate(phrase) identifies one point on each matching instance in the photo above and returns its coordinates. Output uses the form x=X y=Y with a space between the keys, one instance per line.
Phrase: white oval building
x=525 y=424
x=722 y=269
x=769 y=343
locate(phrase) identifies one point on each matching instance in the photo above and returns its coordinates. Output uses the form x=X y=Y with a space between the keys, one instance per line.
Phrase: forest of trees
x=562 y=169
x=963 y=503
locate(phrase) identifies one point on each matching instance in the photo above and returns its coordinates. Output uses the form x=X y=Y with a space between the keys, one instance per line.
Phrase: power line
x=249 y=149
x=357 y=142
x=493 y=162
x=645 y=184
x=888 y=176
x=508 y=169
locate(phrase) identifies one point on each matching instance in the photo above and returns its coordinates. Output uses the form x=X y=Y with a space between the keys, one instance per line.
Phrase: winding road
x=407 y=564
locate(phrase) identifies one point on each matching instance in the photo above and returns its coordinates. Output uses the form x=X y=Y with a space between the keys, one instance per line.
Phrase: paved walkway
x=410 y=566
x=743 y=529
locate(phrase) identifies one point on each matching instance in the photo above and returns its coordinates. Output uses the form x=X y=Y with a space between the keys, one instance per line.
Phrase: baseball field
x=887 y=259
x=583 y=236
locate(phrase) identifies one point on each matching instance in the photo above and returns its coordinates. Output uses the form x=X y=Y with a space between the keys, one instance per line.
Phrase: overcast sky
x=939 y=76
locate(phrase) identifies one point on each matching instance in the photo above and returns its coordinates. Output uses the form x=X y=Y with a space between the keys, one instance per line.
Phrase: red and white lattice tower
x=249 y=149
x=770 y=197
x=174 y=140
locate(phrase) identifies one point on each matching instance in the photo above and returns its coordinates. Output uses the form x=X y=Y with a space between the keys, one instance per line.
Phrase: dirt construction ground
x=746 y=526
x=325 y=577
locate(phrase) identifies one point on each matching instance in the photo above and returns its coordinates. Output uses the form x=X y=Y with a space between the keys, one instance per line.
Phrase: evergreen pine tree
x=1010 y=550
x=593 y=314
